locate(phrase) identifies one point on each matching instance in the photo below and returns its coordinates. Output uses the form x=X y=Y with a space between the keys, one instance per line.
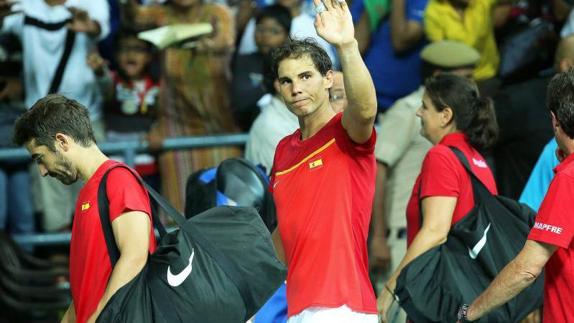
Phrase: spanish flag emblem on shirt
x=316 y=163
x=85 y=206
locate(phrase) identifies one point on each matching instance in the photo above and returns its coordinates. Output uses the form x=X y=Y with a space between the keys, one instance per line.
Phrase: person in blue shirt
x=391 y=45
x=541 y=176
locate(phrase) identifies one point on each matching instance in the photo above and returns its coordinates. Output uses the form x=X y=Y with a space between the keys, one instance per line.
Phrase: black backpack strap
x=104 y=210
x=478 y=188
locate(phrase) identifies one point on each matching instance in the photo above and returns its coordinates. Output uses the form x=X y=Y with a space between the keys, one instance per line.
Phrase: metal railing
x=128 y=151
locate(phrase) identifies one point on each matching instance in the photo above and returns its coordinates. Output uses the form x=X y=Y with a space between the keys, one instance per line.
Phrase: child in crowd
x=130 y=94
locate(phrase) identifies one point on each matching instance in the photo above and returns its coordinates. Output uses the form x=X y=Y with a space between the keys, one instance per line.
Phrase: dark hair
x=560 y=100
x=298 y=48
x=54 y=114
x=473 y=115
x=277 y=12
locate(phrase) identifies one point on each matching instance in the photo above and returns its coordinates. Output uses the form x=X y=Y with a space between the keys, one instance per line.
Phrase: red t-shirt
x=555 y=225
x=90 y=266
x=442 y=174
x=323 y=189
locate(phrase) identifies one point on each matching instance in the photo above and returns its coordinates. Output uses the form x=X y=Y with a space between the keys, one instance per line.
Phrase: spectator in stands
x=131 y=92
x=193 y=96
x=276 y=121
x=452 y=115
x=302 y=26
x=130 y=97
x=400 y=151
x=471 y=22
x=391 y=44
x=525 y=125
x=16 y=211
x=57 y=132
x=337 y=94
x=48 y=30
x=272 y=28
x=541 y=176
x=549 y=245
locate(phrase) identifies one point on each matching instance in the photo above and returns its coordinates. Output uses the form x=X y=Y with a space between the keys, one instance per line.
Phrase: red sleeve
x=439 y=175
x=368 y=147
x=554 y=222
x=125 y=193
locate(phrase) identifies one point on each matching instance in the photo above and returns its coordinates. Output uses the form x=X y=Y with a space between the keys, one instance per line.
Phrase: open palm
x=335 y=24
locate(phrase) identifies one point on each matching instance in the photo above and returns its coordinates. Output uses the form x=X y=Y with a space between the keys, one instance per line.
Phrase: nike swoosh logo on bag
x=176 y=280
x=473 y=253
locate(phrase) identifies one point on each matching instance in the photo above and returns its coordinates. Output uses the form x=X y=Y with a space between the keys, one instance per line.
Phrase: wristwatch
x=462 y=312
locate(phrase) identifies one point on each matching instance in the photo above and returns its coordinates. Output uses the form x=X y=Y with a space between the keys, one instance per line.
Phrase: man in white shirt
x=44 y=27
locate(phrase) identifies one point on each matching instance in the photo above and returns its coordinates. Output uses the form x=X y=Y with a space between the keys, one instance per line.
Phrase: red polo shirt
x=442 y=174
x=90 y=266
x=555 y=225
x=323 y=189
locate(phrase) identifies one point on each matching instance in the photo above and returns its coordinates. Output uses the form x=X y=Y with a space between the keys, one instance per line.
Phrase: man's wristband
x=462 y=313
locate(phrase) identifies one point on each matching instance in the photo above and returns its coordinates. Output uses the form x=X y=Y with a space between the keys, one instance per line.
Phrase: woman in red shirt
x=452 y=115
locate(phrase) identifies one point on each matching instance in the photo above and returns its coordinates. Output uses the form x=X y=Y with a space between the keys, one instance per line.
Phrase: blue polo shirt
x=541 y=176
x=394 y=76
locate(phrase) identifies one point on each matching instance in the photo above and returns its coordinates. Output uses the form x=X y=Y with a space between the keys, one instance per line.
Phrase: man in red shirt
x=323 y=176
x=57 y=133
x=550 y=244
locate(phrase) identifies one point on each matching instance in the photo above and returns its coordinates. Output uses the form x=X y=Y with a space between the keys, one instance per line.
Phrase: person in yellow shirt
x=468 y=21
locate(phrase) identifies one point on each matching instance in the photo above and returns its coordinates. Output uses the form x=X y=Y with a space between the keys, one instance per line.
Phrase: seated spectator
x=193 y=95
x=400 y=151
x=130 y=96
x=273 y=24
x=302 y=26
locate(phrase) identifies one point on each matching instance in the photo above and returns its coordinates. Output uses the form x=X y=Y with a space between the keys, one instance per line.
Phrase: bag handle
x=195 y=234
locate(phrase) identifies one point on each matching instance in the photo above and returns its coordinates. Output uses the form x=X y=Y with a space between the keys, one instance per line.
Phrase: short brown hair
x=297 y=49
x=54 y=114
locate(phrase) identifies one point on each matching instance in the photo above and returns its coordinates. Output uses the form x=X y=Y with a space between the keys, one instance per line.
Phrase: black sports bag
x=218 y=267
x=433 y=286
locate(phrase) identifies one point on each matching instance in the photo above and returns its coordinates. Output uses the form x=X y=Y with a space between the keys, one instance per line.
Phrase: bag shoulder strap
x=480 y=191
x=104 y=211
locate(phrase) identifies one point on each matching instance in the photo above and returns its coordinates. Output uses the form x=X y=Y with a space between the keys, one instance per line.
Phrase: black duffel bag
x=218 y=267
x=433 y=286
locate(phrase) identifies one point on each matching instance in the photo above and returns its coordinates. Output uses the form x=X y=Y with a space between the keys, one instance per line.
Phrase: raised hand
x=334 y=22
x=96 y=63
x=6 y=7
x=82 y=23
